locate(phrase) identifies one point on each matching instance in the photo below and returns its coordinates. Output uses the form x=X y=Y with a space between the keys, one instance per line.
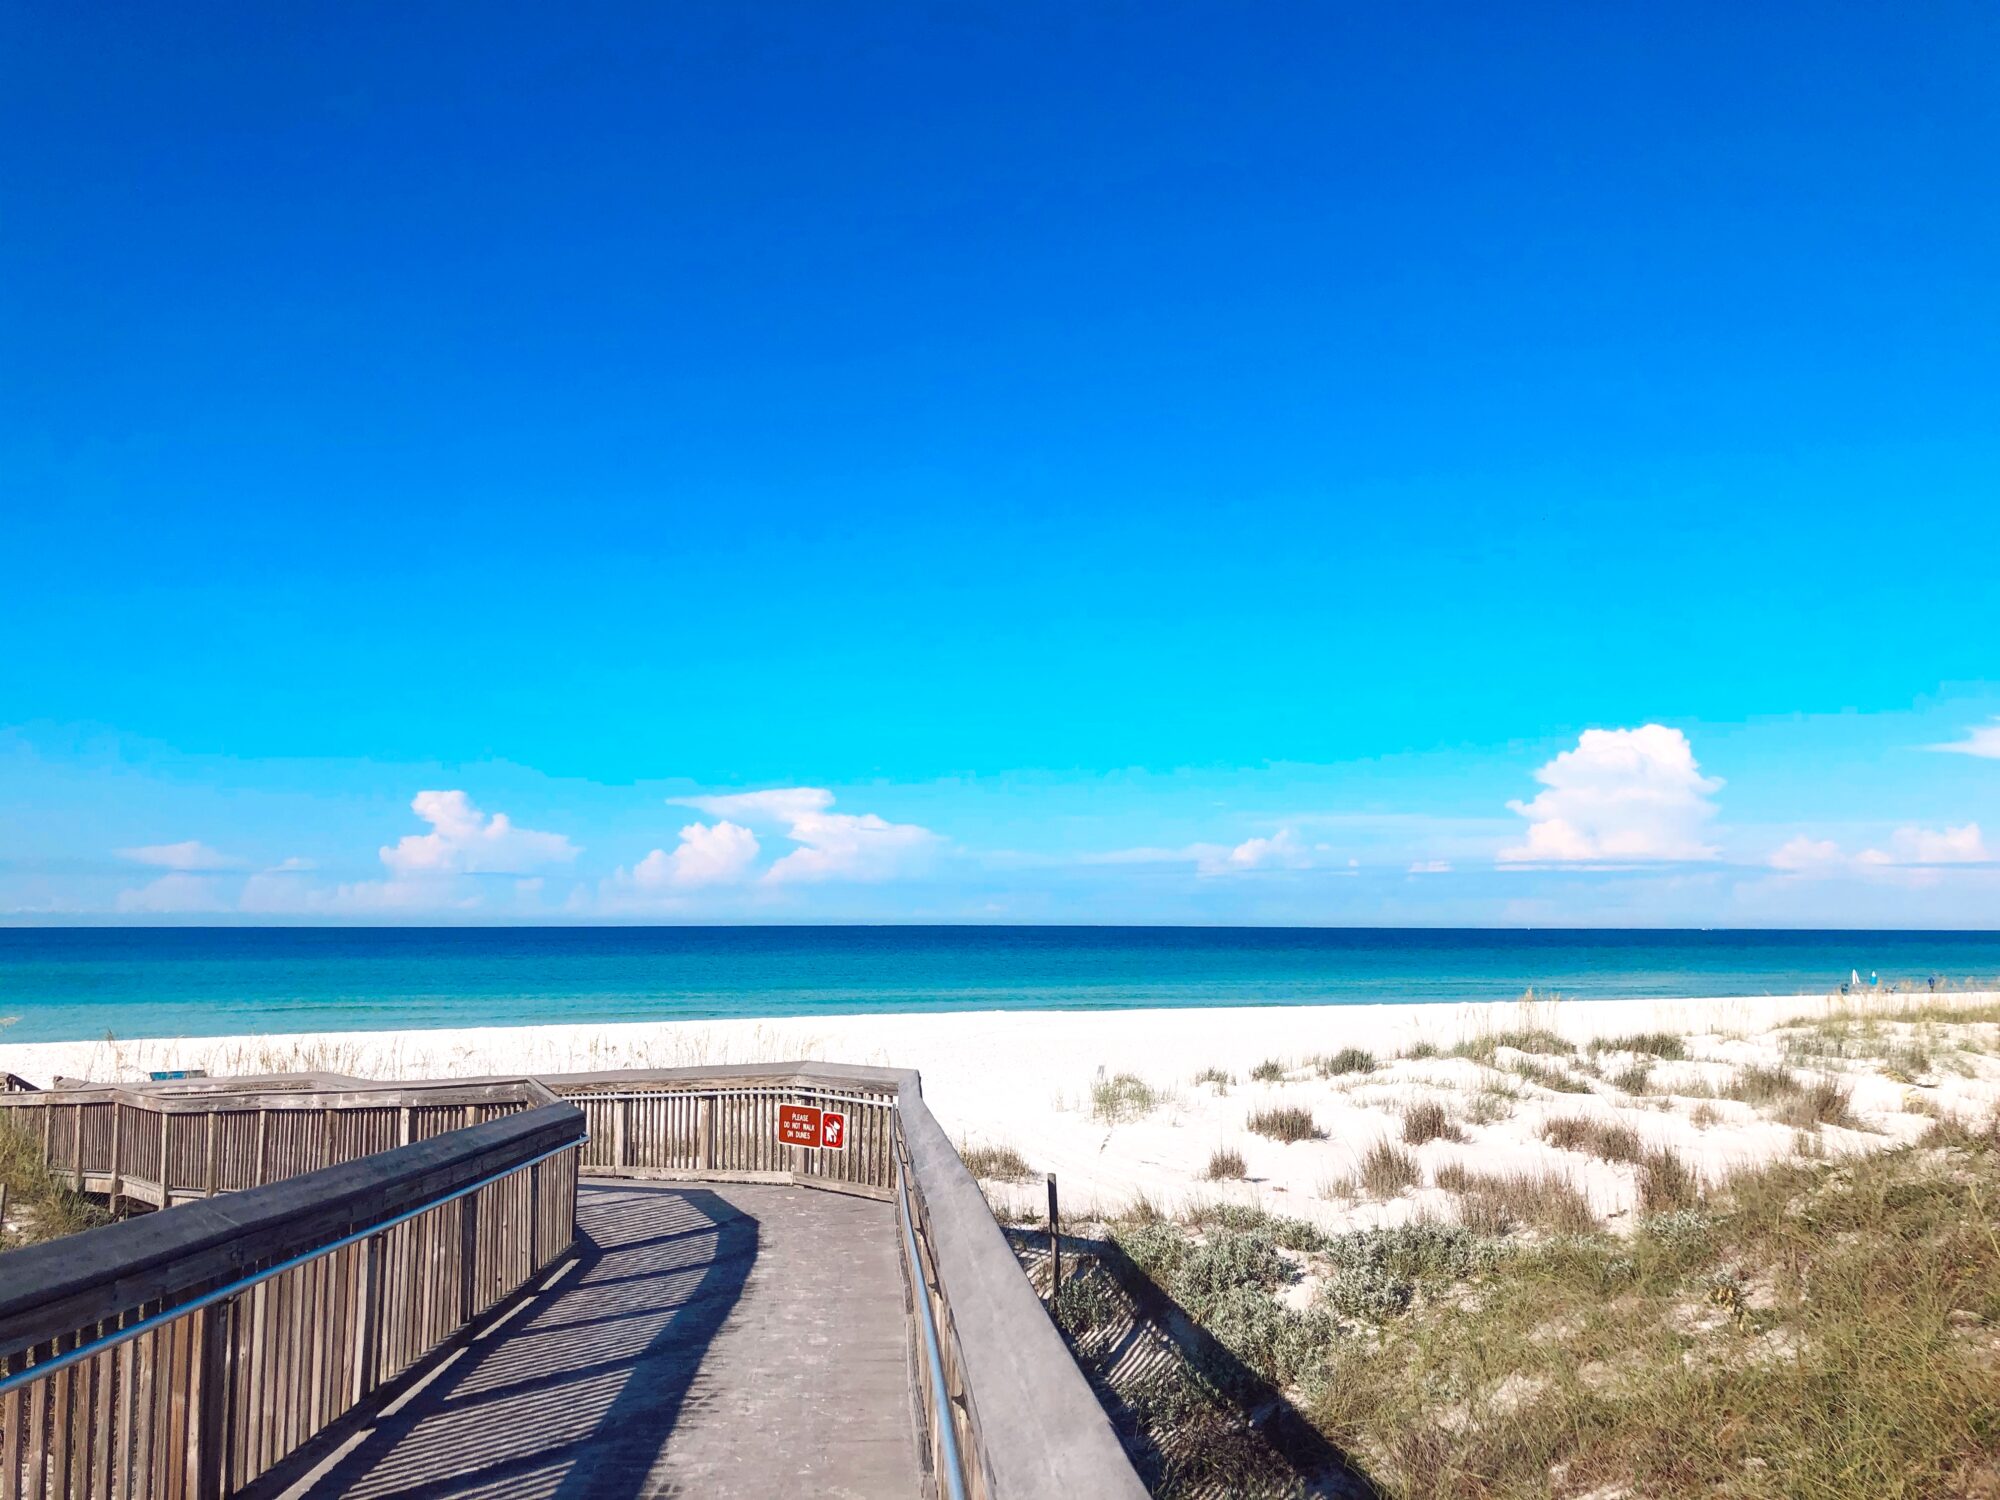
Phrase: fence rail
x=164 y=1147
x=183 y=1355
x=1007 y=1414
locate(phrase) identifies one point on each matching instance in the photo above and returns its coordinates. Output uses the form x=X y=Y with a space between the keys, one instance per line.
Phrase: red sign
x=798 y=1125
x=833 y=1129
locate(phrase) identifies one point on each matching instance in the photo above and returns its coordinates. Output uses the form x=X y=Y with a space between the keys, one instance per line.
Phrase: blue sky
x=1044 y=463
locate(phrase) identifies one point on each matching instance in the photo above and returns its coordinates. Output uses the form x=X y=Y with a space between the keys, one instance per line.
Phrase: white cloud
x=1913 y=855
x=1431 y=867
x=181 y=891
x=1621 y=794
x=781 y=805
x=708 y=854
x=832 y=846
x=1982 y=740
x=189 y=854
x=1281 y=851
x=1931 y=846
x=464 y=842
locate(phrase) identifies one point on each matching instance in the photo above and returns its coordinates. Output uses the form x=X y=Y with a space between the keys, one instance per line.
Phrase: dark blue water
x=75 y=983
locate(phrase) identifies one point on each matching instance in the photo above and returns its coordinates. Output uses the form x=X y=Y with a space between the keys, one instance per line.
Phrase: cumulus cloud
x=1621 y=794
x=1982 y=740
x=708 y=854
x=832 y=846
x=189 y=854
x=1931 y=846
x=463 y=841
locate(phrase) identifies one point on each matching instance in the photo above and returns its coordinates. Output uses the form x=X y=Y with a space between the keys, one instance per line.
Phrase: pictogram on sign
x=833 y=1129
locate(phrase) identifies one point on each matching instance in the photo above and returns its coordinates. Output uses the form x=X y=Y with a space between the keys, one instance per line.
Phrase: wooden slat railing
x=166 y=1144
x=1008 y=1416
x=183 y=1355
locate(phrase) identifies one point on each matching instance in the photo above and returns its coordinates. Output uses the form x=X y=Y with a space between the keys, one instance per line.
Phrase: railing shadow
x=576 y=1395
x=1162 y=1334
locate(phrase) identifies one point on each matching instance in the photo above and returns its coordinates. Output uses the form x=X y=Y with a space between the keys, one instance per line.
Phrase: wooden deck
x=715 y=1340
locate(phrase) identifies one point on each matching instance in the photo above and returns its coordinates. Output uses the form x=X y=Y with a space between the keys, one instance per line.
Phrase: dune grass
x=1428 y=1120
x=1593 y=1137
x=1285 y=1122
x=41 y=1205
x=1001 y=1163
x=1225 y=1163
x=1805 y=1331
x=1123 y=1096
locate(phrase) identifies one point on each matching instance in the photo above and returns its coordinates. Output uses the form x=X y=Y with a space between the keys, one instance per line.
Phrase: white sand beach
x=1031 y=1080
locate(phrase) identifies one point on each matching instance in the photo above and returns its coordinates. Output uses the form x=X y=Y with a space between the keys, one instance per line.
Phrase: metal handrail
x=242 y=1284
x=954 y=1471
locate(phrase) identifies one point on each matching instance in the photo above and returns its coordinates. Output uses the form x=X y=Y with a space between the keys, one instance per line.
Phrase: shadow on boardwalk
x=576 y=1395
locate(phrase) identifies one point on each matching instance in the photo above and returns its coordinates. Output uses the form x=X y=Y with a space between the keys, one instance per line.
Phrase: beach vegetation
x=1123 y=1096
x=1496 y=1203
x=1217 y=1078
x=1492 y=1103
x=1285 y=1122
x=1422 y=1050
x=1270 y=1070
x=1428 y=1120
x=1634 y=1078
x=1225 y=1162
x=1386 y=1169
x=1346 y=1060
x=41 y=1203
x=1556 y=1080
x=995 y=1163
x=1820 y=1100
x=1665 y=1046
x=1619 y=1143
x=1534 y=1039
x=1666 y=1182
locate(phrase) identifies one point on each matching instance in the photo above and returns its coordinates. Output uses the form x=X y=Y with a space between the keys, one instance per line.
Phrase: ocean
x=71 y=984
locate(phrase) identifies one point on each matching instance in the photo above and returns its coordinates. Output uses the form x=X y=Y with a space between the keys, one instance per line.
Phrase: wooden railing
x=183 y=1355
x=165 y=1144
x=1007 y=1414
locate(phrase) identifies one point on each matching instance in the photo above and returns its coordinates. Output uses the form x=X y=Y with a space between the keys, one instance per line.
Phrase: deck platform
x=713 y=1339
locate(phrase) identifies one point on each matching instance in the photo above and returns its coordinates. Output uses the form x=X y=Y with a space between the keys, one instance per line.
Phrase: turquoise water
x=62 y=984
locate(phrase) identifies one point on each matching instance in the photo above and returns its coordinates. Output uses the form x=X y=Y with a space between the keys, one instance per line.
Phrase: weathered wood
x=1055 y=1243
x=51 y=1288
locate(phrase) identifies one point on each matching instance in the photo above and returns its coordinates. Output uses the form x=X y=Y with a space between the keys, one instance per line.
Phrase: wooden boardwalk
x=715 y=1340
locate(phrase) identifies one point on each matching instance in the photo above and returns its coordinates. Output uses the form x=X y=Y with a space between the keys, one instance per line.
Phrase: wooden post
x=3 y=1213
x=403 y=1126
x=368 y=1318
x=166 y=1157
x=76 y=1143
x=704 y=1134
x=468 y=1256
x=208 y=1166
x=534 y=1216
x=1055 y=1243
x=621 y=1136
x=117 y=1134
x=208 y=1457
